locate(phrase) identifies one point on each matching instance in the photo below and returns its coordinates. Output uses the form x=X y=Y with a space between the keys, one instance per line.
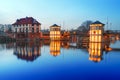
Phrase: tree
x=85 y=26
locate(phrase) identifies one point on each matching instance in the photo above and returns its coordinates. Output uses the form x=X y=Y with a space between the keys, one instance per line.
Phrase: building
x=96 y=32
x=55 y=32
x=65 y=35
x=27 y=28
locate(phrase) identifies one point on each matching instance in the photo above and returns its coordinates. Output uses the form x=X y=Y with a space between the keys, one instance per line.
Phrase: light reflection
x=65 y=44
x=55 y=48
x=95 y=51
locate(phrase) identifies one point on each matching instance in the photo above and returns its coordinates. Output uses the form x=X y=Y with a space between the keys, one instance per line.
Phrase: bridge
x=113 y=31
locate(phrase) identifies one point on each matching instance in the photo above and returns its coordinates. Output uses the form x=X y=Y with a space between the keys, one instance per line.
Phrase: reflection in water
x=95 y=51
x=2 y=47
x=65 y=44
x=30 y=51
x=27 y=51
x=55 y=48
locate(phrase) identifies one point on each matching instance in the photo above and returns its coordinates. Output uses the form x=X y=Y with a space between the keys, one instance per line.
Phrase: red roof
x=27 y=20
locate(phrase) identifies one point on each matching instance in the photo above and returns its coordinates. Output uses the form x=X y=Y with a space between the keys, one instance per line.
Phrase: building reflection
x=27 y=51
x=95 y=51
x=65 y=44
x=55 y=48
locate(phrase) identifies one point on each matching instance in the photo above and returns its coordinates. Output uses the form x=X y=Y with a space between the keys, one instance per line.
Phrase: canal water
x=58 y=61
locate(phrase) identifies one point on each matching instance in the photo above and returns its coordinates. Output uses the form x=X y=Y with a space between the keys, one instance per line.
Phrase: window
x=26 y=29
x=20 y=29
x=15 y=29
x=37 y=30
x=97 y=28
x=32 y=30
x=23 y=29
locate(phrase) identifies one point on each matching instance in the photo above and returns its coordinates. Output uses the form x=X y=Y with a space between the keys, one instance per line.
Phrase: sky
x=69 y=14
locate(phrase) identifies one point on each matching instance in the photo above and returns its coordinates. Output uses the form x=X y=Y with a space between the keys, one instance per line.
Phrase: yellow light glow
x=94 y=25
x=55 y=48
x=95 y=35
x=55 y=33
x=95 y=51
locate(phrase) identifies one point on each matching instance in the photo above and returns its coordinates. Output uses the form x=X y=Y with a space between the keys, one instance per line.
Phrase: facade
x=65 y=35
x=27 y=28
x=55 y=32
x=96 y=32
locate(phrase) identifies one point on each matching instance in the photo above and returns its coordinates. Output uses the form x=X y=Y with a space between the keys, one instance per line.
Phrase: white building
x=27 y=25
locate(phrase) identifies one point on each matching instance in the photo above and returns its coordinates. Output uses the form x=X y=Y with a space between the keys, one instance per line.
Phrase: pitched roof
x=55 y=25
x=27 y=20
x=97 y=22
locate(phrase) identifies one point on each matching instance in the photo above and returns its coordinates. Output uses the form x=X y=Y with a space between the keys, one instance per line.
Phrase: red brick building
x=27 y=28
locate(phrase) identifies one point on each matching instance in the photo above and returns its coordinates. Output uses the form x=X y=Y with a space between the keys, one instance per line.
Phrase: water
x=56 y=61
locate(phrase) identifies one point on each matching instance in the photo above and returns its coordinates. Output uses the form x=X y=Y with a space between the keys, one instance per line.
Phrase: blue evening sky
x=71 y=13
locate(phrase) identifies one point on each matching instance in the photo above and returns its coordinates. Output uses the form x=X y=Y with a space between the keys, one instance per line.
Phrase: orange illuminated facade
x=96 y=32
x=55 y=32
x=65 y=35
x=55 y=48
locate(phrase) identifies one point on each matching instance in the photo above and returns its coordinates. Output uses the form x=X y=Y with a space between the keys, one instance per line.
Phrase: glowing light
x=55 y=48
x=95 y=45
x=55 y=33
x=95 y=51
x=96 y=32
x=94 y=25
